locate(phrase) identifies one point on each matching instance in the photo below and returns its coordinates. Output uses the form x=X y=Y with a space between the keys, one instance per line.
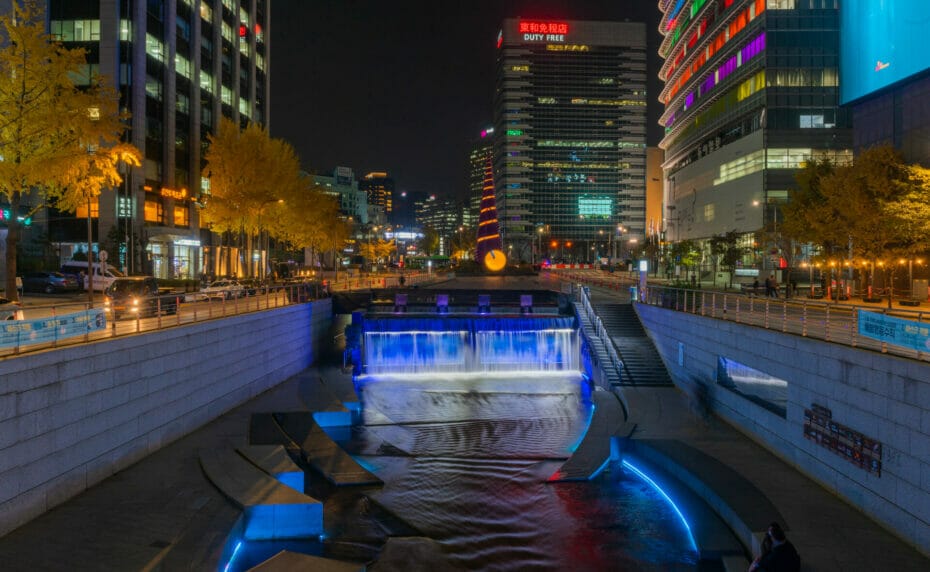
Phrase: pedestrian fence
x=896 y=331
x=56 y=325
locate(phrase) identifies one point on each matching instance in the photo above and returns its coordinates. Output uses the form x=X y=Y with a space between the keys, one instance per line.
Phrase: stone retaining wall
x=71 y=417
x=882 y=397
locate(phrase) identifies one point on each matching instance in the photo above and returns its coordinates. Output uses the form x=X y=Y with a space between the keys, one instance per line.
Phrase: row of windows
x=794 y=159
x=75 y=30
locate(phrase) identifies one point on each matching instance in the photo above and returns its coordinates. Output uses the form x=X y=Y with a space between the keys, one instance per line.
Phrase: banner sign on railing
x=905 y=333
x=15 y=333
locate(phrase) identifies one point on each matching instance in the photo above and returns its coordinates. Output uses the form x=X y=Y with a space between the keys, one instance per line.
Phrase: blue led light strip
x=233 y=557
x=668 y=499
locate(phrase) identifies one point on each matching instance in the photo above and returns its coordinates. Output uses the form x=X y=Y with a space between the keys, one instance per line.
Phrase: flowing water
x=466 y=426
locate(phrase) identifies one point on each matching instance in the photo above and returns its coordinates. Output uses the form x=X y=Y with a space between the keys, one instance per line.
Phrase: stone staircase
x=642 y=365
x=612 y=376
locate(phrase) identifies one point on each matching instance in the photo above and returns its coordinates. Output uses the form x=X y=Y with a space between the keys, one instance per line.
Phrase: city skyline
x=372 y=109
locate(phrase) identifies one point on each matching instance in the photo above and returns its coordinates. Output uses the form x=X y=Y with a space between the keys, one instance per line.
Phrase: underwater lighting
x=233 y=557
x=668 y=499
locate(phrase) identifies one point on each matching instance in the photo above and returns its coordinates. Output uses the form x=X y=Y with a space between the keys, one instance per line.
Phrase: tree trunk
x=12 y=241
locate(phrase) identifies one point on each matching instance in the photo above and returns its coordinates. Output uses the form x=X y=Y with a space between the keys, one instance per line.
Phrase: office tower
x=570 y=131
x=750 y=95
x=178 y=65
x=885 y=73
x=380 y=189
x=343 y=186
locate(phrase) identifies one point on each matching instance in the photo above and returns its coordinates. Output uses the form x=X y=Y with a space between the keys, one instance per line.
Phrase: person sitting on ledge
x=783 y=556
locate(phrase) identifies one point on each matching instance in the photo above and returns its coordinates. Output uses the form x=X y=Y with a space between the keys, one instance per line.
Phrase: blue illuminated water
x=466 y=454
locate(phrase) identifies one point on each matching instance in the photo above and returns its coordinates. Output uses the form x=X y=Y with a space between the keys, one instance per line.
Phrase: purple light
x=689 y=101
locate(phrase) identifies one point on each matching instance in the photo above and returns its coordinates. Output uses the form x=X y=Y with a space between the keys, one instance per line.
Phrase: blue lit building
x=751 y=92
x=885 y=67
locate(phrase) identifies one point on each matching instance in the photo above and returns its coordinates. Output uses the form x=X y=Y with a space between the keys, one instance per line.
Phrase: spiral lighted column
x=490 y=248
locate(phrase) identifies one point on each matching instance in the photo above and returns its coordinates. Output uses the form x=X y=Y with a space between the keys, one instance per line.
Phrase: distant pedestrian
x=783 y=556
x=772 y=287
x=755 y=286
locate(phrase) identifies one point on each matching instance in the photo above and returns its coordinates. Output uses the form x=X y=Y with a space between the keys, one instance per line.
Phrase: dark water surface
x=466 y=461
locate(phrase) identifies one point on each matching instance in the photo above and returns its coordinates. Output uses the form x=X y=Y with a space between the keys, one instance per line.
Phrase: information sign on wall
x=862 y=451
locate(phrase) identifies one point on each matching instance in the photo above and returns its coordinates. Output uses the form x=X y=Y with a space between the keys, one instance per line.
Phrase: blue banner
x=15 y=333
x=904 y=333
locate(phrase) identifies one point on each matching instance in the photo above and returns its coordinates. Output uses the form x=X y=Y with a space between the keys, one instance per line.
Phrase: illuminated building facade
x=380 y=190
x=885 y=67
x=570 y=130
x=178 y=65
x=443 y=215
x=751 y=93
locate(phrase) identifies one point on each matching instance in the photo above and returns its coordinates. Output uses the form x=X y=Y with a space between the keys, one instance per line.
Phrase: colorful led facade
x=751 y=93
x=570 y=131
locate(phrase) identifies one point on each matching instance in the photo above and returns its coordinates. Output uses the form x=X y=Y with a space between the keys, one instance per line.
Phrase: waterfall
x=520 y=344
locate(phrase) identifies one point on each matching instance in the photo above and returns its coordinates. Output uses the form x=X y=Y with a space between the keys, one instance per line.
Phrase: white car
x=223 y=290
x=10 y=310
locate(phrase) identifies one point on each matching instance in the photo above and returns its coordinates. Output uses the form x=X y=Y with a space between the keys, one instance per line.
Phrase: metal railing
x=600 y=332
x=818 y=319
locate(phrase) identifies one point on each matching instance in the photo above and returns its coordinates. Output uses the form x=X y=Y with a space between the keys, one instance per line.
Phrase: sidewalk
x=829 y=533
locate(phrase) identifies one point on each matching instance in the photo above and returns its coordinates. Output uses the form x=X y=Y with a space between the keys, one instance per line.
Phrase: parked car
x=10 y=310
x=223 y=290
x=104 y=275
x=139 y=296
x=50 y=282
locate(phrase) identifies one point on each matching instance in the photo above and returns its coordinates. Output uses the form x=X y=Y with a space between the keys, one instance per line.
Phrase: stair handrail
x=600 y=332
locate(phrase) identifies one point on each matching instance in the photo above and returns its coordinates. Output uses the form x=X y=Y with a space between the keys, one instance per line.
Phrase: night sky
x=406 y=86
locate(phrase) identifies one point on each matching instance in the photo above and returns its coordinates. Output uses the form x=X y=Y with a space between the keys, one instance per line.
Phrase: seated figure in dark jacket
x=783 y=557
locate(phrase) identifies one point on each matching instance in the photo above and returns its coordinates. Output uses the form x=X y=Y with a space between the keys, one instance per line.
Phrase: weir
x=413 y=345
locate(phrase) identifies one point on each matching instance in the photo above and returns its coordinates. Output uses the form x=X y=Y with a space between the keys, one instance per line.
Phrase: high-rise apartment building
x=178 y=65
x=380 y=189
x=885 y=72
x=569 y=131
x=751 y=94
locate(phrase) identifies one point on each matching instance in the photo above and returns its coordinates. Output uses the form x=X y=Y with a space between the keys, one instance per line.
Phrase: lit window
x=206 y=13
x=182 y=66
x=260 y=62
x=125 y=30
x=226 y=95
x=154 y=47
x=227 y=32
x=709 y=212
x=206 y=82
x=181 y=216
x=81 y=211
x=245 y=108
x=154 y=212
x=75 y=30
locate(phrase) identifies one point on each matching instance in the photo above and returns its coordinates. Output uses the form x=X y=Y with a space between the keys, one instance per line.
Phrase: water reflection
x=465 y=460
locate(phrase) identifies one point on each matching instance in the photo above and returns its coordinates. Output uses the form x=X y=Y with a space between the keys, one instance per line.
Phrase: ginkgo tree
x=256 y=187
x=249 y=173
x=59 y=142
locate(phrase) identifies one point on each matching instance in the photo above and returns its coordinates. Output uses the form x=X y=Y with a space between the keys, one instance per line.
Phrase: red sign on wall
x=543 y=28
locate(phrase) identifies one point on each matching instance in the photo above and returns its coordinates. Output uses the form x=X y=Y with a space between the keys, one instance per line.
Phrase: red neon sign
x=243 y=31
x=543 y=28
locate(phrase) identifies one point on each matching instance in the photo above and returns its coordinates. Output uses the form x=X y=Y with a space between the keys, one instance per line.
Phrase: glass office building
x=885 y=67
x=751 y=93
x=178 y=65
x=569 y=134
